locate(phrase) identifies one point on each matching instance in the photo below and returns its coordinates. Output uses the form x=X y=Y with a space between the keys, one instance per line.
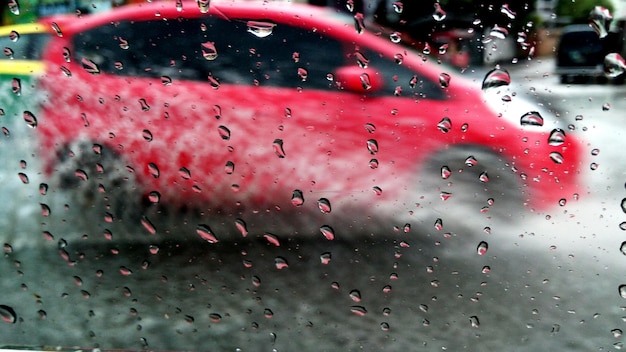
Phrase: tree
x=577 y=11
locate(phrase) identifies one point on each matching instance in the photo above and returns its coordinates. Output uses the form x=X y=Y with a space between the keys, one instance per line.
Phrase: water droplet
x=623 y=205
x=474 y=321
x=90 y=66
x=154 y=249
x=359 y=22
x=600 y=19
x=617 y=333
x=215 y=317
x=179 y=5
x=361 y=59
x=30 y=119
x=395 y=37
x=7 y=314
x=66 y=71
x=229 y=167
x=224 y=132
x=281 y=263
x=365 y=81
x=622 y=291
x=444 y=80
x=295 y=56
x=14 y=7
x=372 y=146
x=144 y=105
x=302 y=73
x=261 y=29
x=443 y=49
x=154 y=170
x=205 y=232
x=482 y=248
x=118 y=66
x=123 y=43
x=67 y=54
x=373 y=163
x=557 y=137
x=8 y=52
x=147 y=135
x=439 y=14
x=213 y=82
x=358 y=310
x=16 y=86
x=614 y=65
x=531 y=118
x=377 y=190
x=23 y=177
x=43 y=189
x=272 y=239
x=324 y=205
x=297 y=198
x=471 y=161
x=209 y=51
x=125 y=271
x=399 y=58
x=328 y=232
x=483 y=177
x=398 y=7
x=557 y=157
x=486 y=269
x=445 y=172
x=325 y=258
x=278 y=147
x=496 y=78
x=56 y=29
x=203 y=5
x=507 y=11
x=241 y=226
x=426 y=50
x=166 y=80
x=154 y=197
x=369 y=127
x=184 y=173
x=498 y=32
x=147 y=224
x=355 y=295
x=445 y=125
x=606 y=107
x=438 y=224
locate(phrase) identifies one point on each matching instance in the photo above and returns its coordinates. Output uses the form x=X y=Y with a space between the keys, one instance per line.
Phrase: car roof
x=577 y=28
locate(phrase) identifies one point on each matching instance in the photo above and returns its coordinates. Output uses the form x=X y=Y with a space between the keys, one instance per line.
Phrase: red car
x=248 y=107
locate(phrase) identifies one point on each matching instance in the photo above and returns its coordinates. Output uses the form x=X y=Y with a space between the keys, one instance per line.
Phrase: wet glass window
x=179 y=49
x=27 y=47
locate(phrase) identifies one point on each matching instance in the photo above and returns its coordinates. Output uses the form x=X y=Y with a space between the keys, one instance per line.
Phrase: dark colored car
x=580 y=54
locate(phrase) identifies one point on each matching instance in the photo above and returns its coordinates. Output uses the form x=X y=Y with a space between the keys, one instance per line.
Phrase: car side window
x=401 y=81
x=289 y=57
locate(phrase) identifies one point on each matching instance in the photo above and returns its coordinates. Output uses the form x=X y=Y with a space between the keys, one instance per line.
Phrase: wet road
x=547 y=281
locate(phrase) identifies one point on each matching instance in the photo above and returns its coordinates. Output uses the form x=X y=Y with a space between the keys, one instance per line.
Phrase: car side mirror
x=359 y=80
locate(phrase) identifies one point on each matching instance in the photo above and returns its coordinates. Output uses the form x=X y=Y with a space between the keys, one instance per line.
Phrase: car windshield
x=312 y=175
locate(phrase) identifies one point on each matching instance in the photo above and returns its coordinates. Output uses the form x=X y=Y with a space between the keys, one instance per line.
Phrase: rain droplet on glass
x=557 y=137
x=14 y=7
x=241 y=226
x=205 y=232
x=444 y=80
x=154 y=170
x=506 y=10
x=90 y=66
x=297 y=198
x=229 y=167
x=497 y=77
x=439 y=14
x=30 y=119
x=278 y=147
x=209 y=52
x=16 y=86
x=324 y=205
x=203 y=5
x=614 y=65
x=147 y=224
x=445 y=125
x=531 y=118
x=482 y=248
x=372 y=146
x=224 y=132
x=325 y=258
x=7 y=314
x=359 y=22
x=600 y=20
x=328 y=232
x=355 y=295
x=260 y=29
x=281 y=263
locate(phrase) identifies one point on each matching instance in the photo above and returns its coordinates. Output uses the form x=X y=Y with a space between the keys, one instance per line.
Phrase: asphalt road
x=548 y=281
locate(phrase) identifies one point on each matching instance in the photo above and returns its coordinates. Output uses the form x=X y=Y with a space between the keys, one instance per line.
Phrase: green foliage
x=577 y=11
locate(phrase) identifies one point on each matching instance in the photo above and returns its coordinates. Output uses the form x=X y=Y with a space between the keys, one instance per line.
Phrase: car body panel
x=326 y=133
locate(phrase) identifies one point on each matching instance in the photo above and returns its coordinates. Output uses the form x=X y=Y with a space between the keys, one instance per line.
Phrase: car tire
x=98 y=182
x=466 y=191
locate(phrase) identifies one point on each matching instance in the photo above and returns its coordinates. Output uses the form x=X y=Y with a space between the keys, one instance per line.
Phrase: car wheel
x=470 y=180
x=96 y=180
